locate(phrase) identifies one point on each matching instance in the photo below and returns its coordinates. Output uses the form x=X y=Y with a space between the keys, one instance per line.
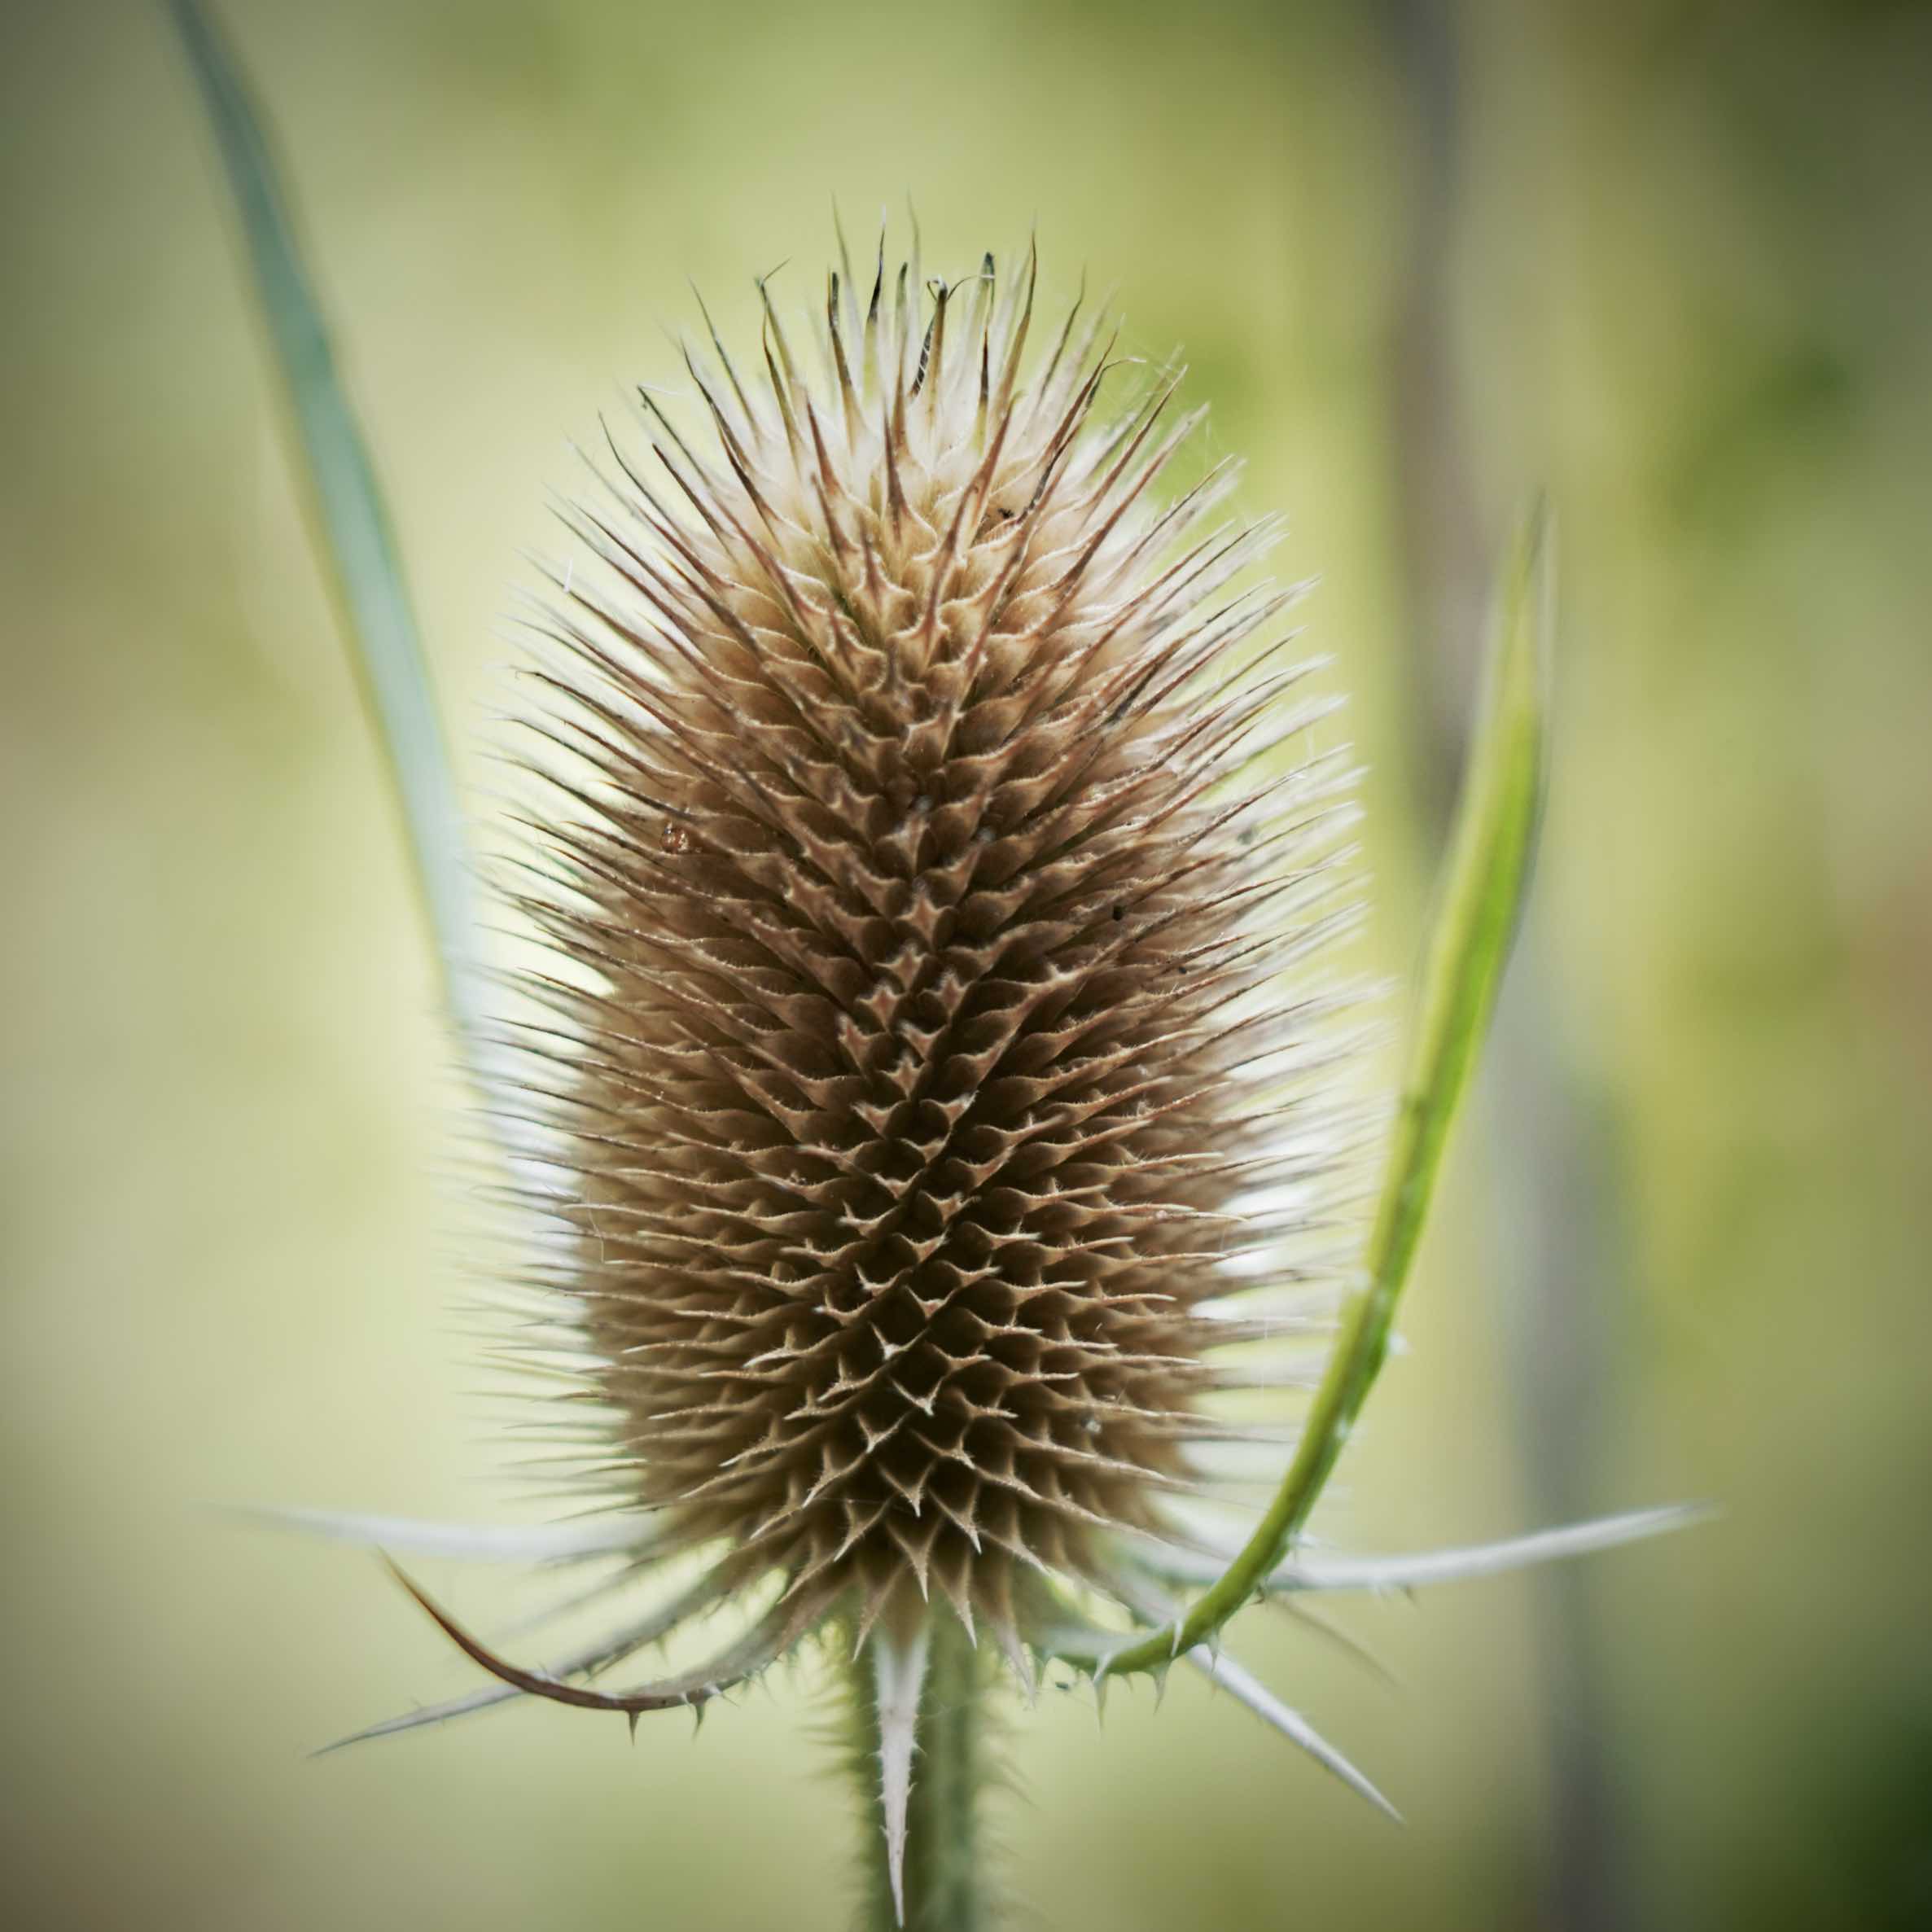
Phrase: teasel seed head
x=935 y=1048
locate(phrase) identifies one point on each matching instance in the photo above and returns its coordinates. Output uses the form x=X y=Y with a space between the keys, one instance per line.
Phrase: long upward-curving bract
x=357 y=542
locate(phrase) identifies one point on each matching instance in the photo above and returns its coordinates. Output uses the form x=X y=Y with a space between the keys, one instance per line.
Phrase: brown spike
x=848 y=396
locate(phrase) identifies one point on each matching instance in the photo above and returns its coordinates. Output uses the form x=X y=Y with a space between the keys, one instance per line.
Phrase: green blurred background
x=1670 y=260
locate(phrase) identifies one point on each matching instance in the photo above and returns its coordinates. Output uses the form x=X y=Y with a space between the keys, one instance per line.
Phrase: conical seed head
x=923 y=889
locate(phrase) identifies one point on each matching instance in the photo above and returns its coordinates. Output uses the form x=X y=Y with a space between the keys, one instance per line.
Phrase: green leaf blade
x=1486 y=876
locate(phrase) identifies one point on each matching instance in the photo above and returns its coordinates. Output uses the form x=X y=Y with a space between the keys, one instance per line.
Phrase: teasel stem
x=941 y=1885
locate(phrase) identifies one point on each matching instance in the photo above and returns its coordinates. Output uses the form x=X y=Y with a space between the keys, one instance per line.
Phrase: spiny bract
x=929 y=838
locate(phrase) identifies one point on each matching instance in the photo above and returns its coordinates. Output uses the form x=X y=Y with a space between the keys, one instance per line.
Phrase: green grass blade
x=350 y=518
x=1485 y=876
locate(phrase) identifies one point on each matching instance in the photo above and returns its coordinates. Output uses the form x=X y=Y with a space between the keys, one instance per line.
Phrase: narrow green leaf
x=1485 y=876
x=351 y=519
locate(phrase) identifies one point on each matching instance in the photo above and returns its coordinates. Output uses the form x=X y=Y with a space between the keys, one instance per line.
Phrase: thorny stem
x=944 y=1875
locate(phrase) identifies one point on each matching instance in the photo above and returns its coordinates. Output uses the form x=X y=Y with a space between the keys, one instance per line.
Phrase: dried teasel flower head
x=935 y=1061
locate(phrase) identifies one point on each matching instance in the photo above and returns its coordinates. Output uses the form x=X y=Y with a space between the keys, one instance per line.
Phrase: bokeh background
x=1670 y=259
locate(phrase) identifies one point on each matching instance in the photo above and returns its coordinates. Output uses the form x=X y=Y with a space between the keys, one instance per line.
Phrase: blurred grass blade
x=1485 y=876
x=350 y=518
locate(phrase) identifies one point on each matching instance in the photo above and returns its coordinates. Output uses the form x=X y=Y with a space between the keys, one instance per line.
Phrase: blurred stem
x=1555 y=1185
x=944 y=1876
x=349 y=517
